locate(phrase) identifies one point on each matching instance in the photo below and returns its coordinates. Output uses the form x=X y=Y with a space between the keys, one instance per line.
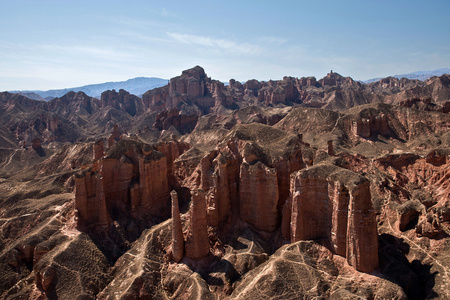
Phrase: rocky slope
x=298 y=188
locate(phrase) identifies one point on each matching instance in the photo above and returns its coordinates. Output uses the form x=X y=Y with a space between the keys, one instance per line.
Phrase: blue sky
x=58 y=44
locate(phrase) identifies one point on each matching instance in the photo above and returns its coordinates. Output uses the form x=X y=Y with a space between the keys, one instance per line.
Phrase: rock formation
x=258 y=194
x=132 y=179
x=318 y=187
x=115 y=135
x=99 y=150
x=197 y=241
x=172 y=117
x=341 y=213
x=122 y=100
x=177 y=229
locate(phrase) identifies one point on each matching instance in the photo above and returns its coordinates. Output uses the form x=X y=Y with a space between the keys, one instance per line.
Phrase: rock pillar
x=197 y=243
x=177 y=229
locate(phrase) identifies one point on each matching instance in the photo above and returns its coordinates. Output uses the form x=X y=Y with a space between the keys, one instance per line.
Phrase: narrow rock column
x=330 y=148
x=177 y=229
x=286 y=219
x=340 y=198
x=98 y=150
x=212 y=211
x=311 y=212
x=258 y=196
x=362 y=236
x=197 y=243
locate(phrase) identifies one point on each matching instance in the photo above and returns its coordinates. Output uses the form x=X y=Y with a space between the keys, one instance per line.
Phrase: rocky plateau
x=299 y=188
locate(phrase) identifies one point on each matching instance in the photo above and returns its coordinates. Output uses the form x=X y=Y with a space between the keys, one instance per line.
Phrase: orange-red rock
x=98 y=150
x=197 y=241
x=177 y=229
x=258 y=196
x=341 y=213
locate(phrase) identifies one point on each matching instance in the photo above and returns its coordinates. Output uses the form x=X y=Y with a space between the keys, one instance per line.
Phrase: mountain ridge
x=420 y=75
x=136 y=86
x=139 y=85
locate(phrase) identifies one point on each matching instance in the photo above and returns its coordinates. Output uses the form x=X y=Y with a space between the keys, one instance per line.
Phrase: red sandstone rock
x=211 y=203
x=330 y=149
x=90 y=201
x=258 y=194
x=115 y=135
x=177 y=229
x=45 y=279
x=154 y=185
x=98 y=150
x=131 y=175
x=340 y=197
x=341 y=213
x=122 y=100
x=172 y=117
x=197 y=241
x=362 y=237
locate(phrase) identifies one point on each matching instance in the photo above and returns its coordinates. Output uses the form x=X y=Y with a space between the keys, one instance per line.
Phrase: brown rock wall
x=335 y=205
x=197 y=241
x=154 y=185
x=177 y=229
x=90 y=201
x=258 y=196
x=362 y=236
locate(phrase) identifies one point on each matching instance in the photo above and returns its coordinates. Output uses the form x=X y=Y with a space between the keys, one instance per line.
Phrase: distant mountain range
x=140 y=85
x=420 y=75
x=136 y=86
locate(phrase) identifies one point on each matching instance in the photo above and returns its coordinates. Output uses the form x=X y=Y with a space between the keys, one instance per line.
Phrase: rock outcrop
x=115 y=135
x=99 y=150
x=258 y=194
x=341 y=213
x=269 y=189
x=123 y=101
x=172 y=118
x=197 y=241
x=131 y=180
x=177 y=229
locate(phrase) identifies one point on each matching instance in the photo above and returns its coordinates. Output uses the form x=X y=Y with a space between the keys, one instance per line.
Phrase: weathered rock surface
x=131 y=181
x=305 y=269
x=258 y=194
x=177 y=229
x=122 y=100
x=299 y=187
x=197 y=242
x=334 y=204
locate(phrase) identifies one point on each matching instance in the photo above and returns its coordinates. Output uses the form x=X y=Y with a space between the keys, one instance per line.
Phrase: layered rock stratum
x=286 y=189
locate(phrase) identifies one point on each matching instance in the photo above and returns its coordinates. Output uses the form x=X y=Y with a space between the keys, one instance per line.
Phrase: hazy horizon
x=53 y=45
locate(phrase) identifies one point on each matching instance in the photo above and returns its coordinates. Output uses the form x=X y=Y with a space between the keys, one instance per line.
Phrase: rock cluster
x=132 y=180
x=335 y=205
x=265 y=188
x=123 y=101
x=243 y=181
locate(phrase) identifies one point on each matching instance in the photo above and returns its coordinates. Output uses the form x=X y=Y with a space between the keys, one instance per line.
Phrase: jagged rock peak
x=197 y=72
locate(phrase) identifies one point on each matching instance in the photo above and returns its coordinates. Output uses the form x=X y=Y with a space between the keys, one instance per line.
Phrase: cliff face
x=245 y=182
x=177 y=229
x=335 y=205
x=197 y=241
x=131 y=180
x=258 y=194
x=123 y=101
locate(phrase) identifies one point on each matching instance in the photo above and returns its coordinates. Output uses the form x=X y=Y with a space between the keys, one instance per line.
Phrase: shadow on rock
x=414 y=277
x=40 y=151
